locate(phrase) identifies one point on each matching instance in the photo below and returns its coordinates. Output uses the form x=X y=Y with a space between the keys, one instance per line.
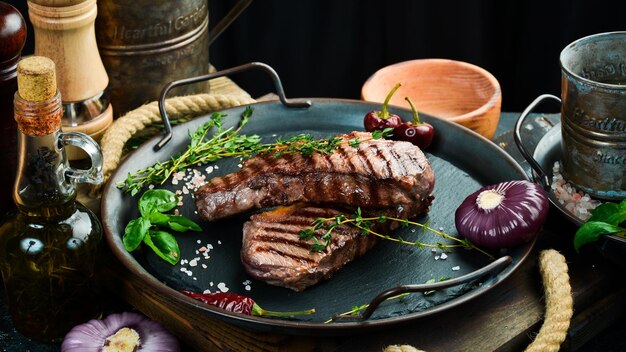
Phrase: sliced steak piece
x=377 y=174
x=273 y=252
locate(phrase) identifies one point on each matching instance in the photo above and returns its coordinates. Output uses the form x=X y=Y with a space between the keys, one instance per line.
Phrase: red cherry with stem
x=379 y=120
x=417 y=132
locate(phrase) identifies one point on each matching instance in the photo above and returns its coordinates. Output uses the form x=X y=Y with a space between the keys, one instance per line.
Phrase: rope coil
x=559 y=302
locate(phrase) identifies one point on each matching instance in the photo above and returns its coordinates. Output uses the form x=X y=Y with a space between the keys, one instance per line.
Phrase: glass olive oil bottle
x=50 y=247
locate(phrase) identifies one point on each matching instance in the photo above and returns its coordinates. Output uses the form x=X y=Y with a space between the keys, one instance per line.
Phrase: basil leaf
x=164 y=245
x=182 y=224
x=592 y=230
x=157 y=200
x=604 y=211
x=135 y=232
x=159 y=219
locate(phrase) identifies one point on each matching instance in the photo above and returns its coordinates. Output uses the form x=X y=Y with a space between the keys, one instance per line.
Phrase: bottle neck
x=41 y=187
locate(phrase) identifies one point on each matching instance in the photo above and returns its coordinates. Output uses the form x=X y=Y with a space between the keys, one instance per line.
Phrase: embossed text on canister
x=145 y=44
x=593 y=112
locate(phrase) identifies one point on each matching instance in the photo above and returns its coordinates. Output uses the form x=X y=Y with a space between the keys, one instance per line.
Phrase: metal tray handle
x=542 y=175
x=493 y=268
x=246 y=67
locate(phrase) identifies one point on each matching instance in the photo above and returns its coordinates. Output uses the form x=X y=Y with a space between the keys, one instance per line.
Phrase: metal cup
x=593 y=114
x=145 y=44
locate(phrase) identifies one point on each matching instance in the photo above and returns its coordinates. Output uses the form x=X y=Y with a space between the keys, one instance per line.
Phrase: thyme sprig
x=202 y=148
x=365 y=225
x=227 y=142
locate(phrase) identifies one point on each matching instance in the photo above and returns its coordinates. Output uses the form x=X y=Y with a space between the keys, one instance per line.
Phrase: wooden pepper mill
x=65 y=32
x=12 y=39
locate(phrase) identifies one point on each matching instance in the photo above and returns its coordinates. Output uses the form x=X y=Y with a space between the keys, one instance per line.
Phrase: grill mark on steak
x=272 y=251
x=376 y=174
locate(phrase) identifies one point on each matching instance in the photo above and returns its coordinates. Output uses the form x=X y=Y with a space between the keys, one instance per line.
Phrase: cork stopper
x=36 y=78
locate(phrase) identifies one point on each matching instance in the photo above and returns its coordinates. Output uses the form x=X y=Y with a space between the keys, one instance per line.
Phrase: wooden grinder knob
x=12 y=37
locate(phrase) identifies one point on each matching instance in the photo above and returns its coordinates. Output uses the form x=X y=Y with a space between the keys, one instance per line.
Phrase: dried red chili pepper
x=235 y=303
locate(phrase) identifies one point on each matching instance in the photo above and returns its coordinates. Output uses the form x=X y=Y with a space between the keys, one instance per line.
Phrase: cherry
x=417 y=132
x=379 y=120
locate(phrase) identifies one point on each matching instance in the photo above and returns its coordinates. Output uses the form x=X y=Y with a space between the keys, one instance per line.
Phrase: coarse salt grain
x=206 y=291
x=456 y=268
x=222 y=287
x=444 y=256
x=247 y=287
x=576 y=202
x=204 y=266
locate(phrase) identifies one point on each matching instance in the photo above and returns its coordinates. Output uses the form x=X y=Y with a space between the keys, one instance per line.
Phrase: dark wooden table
x=503 y=319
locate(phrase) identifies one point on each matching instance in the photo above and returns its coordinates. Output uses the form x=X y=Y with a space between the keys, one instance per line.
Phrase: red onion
x=502 y=215
x=120 y=332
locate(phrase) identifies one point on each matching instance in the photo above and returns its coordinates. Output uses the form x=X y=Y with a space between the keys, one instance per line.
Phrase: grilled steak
x=377 y=174
x=273 y=252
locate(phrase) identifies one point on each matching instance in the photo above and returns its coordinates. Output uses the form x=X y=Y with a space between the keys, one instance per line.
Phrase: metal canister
x=144 y=44
x=593 y=113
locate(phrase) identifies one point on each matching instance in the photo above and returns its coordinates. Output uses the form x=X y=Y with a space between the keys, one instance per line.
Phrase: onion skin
x=516 y=219
x=91 y=336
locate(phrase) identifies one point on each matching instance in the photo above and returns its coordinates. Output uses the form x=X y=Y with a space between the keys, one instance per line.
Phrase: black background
x=328 y=48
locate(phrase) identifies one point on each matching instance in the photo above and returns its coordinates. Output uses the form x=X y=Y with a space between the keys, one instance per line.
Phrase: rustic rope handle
x=559 y=302
x=559 y=306
x=401 y=348
x=127 y=126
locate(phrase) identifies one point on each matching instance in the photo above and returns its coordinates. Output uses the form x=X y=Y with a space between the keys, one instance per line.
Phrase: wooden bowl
x=447 y=89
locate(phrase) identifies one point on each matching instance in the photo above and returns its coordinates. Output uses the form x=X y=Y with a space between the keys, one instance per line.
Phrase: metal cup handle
x=92 y=175
x=542 y=175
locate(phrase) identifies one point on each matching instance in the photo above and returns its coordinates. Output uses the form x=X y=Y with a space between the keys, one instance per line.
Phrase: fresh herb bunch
x=147 y=228
x=202 y=148
x=365 y=224
x=606 y=219
x=229 y=143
